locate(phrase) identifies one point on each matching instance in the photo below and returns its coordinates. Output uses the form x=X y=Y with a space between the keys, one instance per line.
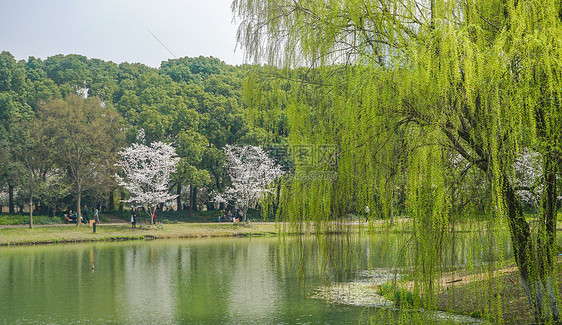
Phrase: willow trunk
x=534 y=258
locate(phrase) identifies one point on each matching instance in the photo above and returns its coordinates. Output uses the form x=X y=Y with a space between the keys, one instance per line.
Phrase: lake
x=192 y=281
x=208 y=281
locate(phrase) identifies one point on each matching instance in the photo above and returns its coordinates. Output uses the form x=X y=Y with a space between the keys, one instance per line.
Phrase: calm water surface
x=205 y=281
x=216 y=281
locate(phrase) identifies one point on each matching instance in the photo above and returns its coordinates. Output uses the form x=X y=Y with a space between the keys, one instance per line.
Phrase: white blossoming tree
x=146 y=173
x=251 y=171
x=528 y=177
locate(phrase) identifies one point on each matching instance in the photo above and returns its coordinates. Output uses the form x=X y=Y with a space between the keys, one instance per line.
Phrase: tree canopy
x=194 y=103
x=146 y=173
x=410 y=91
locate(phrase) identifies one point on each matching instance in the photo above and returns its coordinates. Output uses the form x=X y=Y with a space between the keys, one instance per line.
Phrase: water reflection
x=210 y=281
x=148 y=294
x=237 y=281
x=254 y=288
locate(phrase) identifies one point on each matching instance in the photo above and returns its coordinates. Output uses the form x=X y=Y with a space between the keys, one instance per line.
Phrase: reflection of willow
x=332 y=257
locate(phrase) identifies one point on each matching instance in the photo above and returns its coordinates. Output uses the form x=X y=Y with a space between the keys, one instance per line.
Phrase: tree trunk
x=178 y=199
x=31 y=207
x=547 y=236
x=277 y=198
x=111 y=203
x=78 y=203
x=193 y=199
x=11 y=207
x=31 y=187
x=121 y=198
x=534 y=258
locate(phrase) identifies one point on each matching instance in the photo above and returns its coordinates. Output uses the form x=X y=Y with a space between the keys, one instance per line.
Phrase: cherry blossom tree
x=251 y=171
x=147 y=171
x=528 y=177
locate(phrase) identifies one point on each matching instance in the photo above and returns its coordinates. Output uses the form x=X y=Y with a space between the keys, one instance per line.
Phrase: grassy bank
x=73 y=233
x=68 y=233
x=500 y=299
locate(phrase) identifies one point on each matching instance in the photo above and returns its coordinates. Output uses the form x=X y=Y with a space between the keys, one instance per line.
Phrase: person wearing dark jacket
x=133 y=218
x=85 y=214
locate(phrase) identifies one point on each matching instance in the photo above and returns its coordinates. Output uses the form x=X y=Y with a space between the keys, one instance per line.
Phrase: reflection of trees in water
x=254 y=287
x=149 y=294
x=194 y=281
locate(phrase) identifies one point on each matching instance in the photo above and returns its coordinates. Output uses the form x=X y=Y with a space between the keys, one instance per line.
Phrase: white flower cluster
x=251 y=171
x=147 y=171
x=528 y=176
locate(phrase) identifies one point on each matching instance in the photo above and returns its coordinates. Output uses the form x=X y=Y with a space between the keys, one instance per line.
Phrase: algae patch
x=360 y=292
x=364 y=291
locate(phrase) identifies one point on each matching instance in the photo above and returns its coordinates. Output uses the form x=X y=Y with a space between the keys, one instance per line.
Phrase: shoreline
x=20 y=235
x=59 y=234
x=455 y=298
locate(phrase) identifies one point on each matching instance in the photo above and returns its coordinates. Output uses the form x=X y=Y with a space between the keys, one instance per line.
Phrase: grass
x=73 y=233
x=172 y=228
x=500 y=300
x=402 y=298
x=168 y=217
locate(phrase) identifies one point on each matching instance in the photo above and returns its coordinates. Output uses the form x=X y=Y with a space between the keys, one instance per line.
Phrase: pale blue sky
x=119 y=30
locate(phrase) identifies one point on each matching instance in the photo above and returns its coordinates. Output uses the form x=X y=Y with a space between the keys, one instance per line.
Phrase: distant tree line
x=63 y=120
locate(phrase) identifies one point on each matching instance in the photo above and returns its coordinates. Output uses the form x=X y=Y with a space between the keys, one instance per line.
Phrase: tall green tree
x=410 y=83
x=191 y=146
x=86 y=138
x=31 y=146
x=70 y=72
x=13 y=109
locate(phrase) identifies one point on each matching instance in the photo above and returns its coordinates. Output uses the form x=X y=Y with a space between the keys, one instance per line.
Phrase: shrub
x=402 y=298
x=23 y=219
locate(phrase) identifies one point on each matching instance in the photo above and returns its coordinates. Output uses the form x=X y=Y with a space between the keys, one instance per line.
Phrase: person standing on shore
x=85 y=218
x=133 y=218
x=97 y=215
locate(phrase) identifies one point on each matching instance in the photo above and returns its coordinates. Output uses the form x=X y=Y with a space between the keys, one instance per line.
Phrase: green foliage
x=23 y=219
x=12 y=74
x=403 y=299
x=70 y=70
x=85 y=137
x=428 y=103
x=195 y=103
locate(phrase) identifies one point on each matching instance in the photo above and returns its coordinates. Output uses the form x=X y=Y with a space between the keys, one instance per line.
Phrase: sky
x=145 y=31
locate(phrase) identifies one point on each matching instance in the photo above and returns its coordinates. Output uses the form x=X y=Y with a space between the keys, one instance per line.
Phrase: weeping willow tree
x=424 y=100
